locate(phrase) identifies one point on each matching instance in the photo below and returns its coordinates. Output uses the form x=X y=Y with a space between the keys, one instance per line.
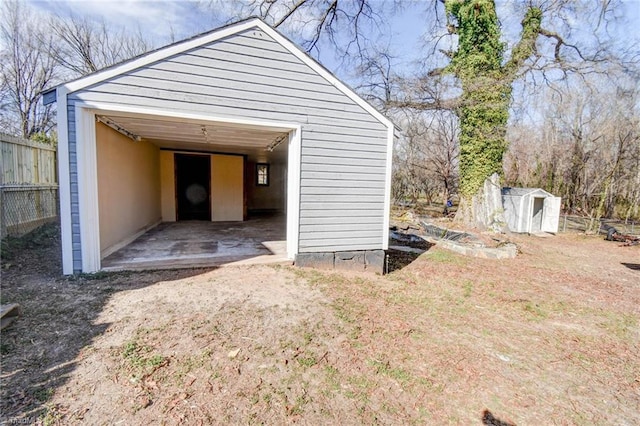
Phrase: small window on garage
x=262 y=174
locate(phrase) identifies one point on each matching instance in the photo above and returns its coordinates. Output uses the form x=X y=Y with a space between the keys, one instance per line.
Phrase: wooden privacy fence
x=28 y=185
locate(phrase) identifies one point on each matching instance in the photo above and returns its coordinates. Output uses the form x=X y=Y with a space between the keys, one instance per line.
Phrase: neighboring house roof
x=521 y=192
x=204 y=39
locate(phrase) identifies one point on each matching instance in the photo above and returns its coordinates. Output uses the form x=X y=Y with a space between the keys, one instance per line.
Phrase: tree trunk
x=485 y=209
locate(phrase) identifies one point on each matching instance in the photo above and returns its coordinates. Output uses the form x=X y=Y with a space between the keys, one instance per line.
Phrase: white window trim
x=88 y=177
x=293 y=191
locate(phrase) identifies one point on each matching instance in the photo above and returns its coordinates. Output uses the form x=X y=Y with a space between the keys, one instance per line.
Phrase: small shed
x=245 y=117
x=531 y=210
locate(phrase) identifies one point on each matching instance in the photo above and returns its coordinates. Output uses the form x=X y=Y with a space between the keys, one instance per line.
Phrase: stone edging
x=506 y=251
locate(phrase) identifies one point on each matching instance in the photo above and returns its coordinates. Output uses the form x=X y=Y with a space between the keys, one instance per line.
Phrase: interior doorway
x=193 y=187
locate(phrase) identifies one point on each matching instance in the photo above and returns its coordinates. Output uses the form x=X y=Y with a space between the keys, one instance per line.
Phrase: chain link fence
x=570 y=223
x=24 y=208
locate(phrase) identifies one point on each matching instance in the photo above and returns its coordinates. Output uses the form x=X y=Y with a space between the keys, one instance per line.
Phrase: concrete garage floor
x=200 y=244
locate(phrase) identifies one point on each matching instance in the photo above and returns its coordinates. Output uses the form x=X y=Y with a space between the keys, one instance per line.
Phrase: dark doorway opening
x=193 y=187
x=536 y=220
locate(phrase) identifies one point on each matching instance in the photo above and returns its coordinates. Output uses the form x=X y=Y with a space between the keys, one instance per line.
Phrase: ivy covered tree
x=486 y=81
x=484 y=66
x=485 y=71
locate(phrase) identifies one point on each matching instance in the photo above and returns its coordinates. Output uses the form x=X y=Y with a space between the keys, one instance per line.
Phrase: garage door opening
x=193 y=192
x=182 y=193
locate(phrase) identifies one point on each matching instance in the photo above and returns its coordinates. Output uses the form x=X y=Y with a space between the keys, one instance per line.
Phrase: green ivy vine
x=486 y=82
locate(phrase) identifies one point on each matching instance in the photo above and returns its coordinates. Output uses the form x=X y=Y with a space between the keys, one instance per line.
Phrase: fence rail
x=28 y=188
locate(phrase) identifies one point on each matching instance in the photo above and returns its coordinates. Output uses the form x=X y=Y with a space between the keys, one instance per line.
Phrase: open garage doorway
x=184 y=193
x=193 y=189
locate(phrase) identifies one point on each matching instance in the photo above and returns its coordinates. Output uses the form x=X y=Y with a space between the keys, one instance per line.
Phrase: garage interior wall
x=271 y=198
x=167 y=186
x=227 y=185
x=128 y=186
x=227 y=188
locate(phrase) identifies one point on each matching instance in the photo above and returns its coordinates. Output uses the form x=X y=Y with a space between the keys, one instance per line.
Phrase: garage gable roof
x=210 y=37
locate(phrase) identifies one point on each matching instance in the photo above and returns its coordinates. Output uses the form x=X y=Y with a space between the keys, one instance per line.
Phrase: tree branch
x=289 y=13
x=439 y=104
x=559 y=43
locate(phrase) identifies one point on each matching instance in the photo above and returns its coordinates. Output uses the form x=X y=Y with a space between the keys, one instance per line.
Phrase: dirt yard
x=551 y=337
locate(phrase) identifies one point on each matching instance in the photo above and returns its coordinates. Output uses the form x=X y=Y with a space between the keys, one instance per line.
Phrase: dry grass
x=549 y=337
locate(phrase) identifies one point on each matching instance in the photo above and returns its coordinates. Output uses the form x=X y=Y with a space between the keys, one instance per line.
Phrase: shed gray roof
x=521 y=192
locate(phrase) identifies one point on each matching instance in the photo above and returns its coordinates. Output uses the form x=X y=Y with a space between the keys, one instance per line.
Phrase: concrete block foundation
x=315 y=260
x=360 y=260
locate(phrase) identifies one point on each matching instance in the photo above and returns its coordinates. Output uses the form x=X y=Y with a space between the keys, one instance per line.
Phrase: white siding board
x=342 y=176
x=260 y=41
x=195 y=64
x=334 y=128
x=235 y=81
x=345 y=154
x=313 y=229
x=344 y=147
x=324 y=234
x=334 y=214
x=201 y=57
x=245 y=51
x=337 y=185
x=368 y=162
x=349 y=190
x=192 y=107
x=335 y=247
x=362 y=242
x=348 y=198
x=357 y=220
x=342 y=168
x=278 y=97
x=243 y=72
x=337 y=206
x=338 y=143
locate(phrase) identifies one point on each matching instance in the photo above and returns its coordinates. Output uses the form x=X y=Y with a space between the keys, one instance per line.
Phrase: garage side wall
x=128 y=186
x=250 y=75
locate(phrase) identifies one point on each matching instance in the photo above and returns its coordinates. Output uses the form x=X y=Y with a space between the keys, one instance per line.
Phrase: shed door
x=551 y=215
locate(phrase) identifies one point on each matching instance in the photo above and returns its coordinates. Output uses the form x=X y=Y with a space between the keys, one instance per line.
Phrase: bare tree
x=348 y=26
x=586 y=149
x=26 y=69
x=426 y=159
x=84 y=46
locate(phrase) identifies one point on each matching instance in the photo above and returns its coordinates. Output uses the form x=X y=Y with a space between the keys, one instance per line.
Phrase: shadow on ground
x=490 y=420
x=632 y=266
x=40 y=349
x=404 y=249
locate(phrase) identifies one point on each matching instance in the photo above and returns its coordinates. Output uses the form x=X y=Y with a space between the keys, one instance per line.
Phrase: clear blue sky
x=159 y=19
